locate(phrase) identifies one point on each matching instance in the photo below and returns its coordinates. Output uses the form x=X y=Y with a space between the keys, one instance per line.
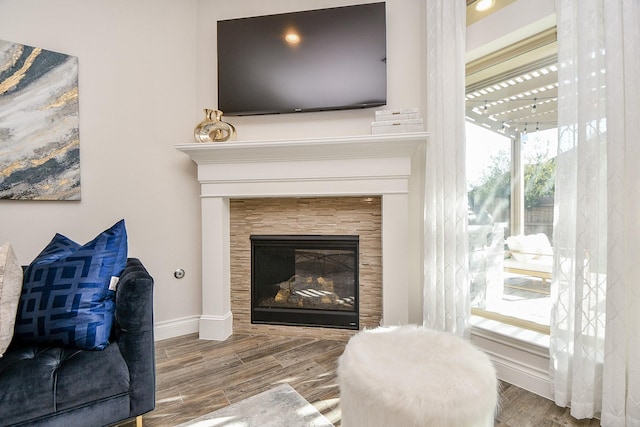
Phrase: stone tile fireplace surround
x=388 y=167
x=360 y=216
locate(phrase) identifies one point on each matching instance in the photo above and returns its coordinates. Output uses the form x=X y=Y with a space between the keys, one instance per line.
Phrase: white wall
x=146 y=70
x=137 y=99
x=517 y=21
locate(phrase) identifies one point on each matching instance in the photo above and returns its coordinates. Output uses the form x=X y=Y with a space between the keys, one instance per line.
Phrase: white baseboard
x=216 y=328
x=176 y=327
x=521 y=362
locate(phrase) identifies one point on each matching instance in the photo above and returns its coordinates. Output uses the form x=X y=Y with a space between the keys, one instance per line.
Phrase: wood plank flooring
x=195 y=377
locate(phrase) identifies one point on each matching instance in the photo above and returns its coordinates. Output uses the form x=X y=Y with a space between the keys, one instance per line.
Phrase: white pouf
x=410 y=376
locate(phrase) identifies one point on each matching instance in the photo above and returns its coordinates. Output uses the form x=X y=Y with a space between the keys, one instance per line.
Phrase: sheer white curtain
x=595 y=323
x=446 y=294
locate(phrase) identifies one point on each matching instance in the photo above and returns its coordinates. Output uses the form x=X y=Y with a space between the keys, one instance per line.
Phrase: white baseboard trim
x=520 y=362
x=216 y=328
x=176 y=327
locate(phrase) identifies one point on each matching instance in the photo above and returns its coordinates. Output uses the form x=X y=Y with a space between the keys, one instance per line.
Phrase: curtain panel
x=595 y=317
x=446 y=272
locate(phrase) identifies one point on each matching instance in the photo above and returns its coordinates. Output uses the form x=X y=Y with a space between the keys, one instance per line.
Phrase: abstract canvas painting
x=39 y=136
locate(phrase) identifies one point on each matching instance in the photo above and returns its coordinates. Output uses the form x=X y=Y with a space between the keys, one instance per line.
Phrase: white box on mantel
x=397 y=121
x=397 y=126
x=403 y=114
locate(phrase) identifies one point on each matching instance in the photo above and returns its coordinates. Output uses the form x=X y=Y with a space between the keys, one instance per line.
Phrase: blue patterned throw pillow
x=68 y=294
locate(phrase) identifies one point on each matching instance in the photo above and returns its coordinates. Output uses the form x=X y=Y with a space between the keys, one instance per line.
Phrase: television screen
x=328 y=59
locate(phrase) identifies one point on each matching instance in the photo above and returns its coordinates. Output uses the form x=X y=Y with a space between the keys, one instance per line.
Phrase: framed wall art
x=39 y=135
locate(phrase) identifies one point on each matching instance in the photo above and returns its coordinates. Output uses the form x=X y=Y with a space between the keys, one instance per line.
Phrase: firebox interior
x=305 y=280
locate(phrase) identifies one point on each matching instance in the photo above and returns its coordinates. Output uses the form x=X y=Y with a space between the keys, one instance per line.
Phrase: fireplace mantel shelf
x=329 y=148
x=390 y=166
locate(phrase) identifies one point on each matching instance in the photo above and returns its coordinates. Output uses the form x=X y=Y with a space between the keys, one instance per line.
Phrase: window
x=511 y=114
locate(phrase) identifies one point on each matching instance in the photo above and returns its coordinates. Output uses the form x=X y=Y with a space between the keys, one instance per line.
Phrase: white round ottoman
x=410 y=376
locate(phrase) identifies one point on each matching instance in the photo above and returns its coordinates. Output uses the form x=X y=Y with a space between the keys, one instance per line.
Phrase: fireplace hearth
x=302 y=280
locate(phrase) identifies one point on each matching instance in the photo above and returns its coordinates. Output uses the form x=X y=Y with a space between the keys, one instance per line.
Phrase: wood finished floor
x=195 y=377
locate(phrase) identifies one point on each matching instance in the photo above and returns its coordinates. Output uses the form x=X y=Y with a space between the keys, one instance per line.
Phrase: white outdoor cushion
x=530 y=248
x=10 y=288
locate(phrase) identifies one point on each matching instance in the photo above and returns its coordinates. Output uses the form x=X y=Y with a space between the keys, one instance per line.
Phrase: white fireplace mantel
x=390 y=166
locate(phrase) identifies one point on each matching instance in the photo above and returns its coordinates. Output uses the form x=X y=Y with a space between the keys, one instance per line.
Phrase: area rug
x=278 y=407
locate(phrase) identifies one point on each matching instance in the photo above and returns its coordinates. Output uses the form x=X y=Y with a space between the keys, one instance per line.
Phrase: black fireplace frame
x=339 y=319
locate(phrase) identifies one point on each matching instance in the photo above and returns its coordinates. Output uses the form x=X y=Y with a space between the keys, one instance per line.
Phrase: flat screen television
x=318 y=60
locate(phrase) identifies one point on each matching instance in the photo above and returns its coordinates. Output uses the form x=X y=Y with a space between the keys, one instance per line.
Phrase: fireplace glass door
x=305 y=280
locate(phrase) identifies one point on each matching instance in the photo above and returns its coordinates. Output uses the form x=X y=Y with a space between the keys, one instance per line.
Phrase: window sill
x=482 y=325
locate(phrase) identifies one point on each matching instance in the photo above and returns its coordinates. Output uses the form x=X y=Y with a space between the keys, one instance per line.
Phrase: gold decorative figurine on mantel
x=213 y=129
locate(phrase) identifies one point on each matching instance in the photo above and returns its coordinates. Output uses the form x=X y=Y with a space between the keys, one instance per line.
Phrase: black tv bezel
x=292 y=109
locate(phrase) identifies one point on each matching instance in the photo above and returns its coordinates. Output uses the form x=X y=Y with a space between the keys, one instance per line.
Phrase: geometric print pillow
x=68 y=292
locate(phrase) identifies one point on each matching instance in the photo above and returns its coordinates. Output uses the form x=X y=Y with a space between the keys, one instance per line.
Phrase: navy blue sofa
x=55 y=386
